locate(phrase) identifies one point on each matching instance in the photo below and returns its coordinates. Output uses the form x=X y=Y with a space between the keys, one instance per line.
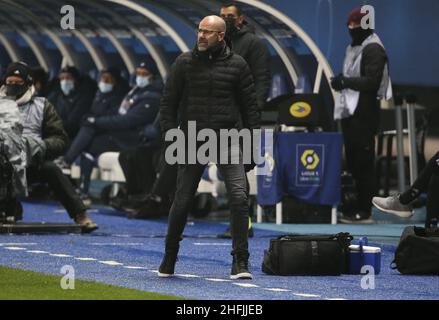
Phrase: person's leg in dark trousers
x=428 y=181
x=138 y=169
x=157 y=203
x=143 y=165
x=237 y=191
x=83 y=139
x=64 y=192
x=360 y=158
x=166 y=181
x=188 y=178
x=433 y=200
x=422 y=182
x=165 y=185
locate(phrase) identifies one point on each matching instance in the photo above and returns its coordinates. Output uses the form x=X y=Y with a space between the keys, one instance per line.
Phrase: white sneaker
x=393 y=206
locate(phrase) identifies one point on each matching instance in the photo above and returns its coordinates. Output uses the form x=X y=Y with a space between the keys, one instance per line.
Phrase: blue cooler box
x=363 y=255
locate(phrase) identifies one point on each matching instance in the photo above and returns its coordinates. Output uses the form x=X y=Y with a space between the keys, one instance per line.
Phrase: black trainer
x=240 y=269
x=167 y=266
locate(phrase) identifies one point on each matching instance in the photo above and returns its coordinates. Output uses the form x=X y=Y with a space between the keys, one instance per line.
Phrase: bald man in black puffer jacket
x=214 y=87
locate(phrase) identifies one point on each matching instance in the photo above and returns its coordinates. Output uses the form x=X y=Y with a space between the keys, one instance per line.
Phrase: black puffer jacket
x=215 y=90
x=248 y=45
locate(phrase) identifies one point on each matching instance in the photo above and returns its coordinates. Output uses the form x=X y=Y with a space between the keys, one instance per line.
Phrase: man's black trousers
x=50 y=173
x=188 y=177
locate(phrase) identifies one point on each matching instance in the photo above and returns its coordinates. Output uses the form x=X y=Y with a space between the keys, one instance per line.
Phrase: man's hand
x=338 y=83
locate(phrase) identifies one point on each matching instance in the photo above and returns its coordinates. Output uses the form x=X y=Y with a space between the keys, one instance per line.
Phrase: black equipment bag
x=307 y=255
x=418 y=251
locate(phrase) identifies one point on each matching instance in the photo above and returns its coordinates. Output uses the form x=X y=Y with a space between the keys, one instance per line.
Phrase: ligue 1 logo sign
x=310 y=159
x=300 y=109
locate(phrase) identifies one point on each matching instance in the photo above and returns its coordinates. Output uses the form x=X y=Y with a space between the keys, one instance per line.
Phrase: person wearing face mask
x=214 y=87
x=364 y=82
x=115 y=120
x=243 y=41
x=105 y=103
x=45 y=140
x=137 y=162
x=73 y=98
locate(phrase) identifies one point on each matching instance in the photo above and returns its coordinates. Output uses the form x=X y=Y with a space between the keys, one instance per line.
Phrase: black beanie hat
x=19 y=69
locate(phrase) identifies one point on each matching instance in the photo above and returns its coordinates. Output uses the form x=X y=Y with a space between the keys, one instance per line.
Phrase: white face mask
x=67 y=86
x=105 y=87
x=142 y=82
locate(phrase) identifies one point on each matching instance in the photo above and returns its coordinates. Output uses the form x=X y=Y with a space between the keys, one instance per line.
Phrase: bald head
x=210 y=31
x=214 y=22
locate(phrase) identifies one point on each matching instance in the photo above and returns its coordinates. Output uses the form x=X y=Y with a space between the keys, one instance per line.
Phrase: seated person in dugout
x=44 y=139
x=428 y=181
x=116 y=121
x=140 y=166
x=72 y=98
x=106 y=103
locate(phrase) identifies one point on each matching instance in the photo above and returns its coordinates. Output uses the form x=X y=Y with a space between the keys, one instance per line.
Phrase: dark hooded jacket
x=249 y=46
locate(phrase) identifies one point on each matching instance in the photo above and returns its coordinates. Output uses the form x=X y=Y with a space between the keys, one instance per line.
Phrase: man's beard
x=204 y=46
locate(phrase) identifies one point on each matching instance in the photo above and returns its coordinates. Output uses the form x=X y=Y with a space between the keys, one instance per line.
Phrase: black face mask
x=358 y=35
x=231 y=28
x=16 y=90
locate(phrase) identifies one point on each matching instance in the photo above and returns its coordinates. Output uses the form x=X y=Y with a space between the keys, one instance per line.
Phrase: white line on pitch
x=307 y=295
x=246 y=285
x=111 y=263
x=37 y=251
x=217 y=280
x=18 y=244
x=135 y=268
x=277 y=290
x=60 y=255
x=86 y=259
x=15 y=248
x=187 y=275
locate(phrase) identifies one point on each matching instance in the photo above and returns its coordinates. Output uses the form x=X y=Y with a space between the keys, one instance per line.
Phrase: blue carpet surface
x=128 y=252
